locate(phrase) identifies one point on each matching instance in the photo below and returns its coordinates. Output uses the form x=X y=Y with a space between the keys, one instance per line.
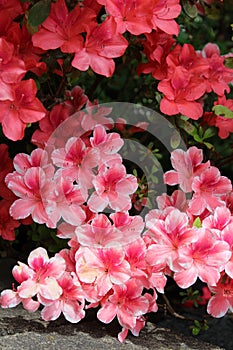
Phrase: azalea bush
x=116 y=147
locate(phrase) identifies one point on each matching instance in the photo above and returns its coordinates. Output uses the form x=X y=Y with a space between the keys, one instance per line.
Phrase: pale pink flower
x=177 y=200
x=10 y=298
x=222 y=300
x=32 y=188
x=107 y=144
x=204 y=258
x=70 y=302
x=227 y=236
x=219 y=220
x=43 y=275
x=65 y=200
x=77 y=161
x=113 y=187
x=103 y=267
x=169 y=235
x=187 y=165
x=100 y=233
x=208 y=188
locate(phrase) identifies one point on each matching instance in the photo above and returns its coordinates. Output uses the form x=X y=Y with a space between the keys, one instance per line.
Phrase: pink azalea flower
x=77 y=161
x=226 y=235
x=107 y=144
x=10 y=298
x=113 y=188
x=134 y=16
x=62 y=29
x=208 y=188
x=43 y=275
x=168 y=236
x=177 y=200
x=20 y=109
x=65 y=201
x=130 y=226
x=219 y=220
x=204 y=258
x=187 y=165
x=102 y=44
x=126 y=303
x=181 y=93
x=12 y=69
x=222 y=300
x=100 y=233
x=32 y=188
x=103 y=267
x=164 y=12
x=70 y=302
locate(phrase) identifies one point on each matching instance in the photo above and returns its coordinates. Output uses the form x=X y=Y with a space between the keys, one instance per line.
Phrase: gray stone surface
x=22 y=330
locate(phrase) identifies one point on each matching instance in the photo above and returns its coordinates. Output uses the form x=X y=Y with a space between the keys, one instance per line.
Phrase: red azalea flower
x=22 y=109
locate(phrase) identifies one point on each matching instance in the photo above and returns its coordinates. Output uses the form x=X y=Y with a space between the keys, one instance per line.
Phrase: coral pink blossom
x=62 y=29
x=187 y=165
x=113 y=188
x=164 y=12
x=20 y=109
x=103 y=267
x=70 y=302
x=204 y=259
x=43 y=275
x=222 y=300
x=208 y=188
x=131 y=15
x=102 y=44
x=181 y=93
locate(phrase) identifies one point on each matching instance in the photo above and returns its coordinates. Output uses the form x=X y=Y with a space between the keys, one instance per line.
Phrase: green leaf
x=197 y=222
x=175 y=140
x=195 y=331
x=190 y=8
x=223 y=111
x=209 y=133
x=39 y=12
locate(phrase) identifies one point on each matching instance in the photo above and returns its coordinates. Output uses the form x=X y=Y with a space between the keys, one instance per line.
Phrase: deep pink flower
x=130 y=15
x=62 y=29
x=102 y=44
x=222 y=300
x=12 y=69
x=164 y=12
x=21 y=109
x=181 y=93
x=187 y=165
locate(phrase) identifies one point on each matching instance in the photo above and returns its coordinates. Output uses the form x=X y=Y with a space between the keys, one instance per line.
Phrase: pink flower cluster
x=119 y=262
